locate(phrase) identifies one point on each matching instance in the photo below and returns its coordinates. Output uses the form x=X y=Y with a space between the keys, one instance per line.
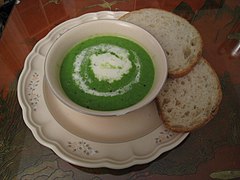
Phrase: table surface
x=211 y=149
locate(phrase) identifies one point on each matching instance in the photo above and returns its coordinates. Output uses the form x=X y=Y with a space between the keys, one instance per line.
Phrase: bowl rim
x=118 y=112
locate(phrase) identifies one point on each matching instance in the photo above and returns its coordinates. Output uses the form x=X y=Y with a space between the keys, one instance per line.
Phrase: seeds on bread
x=189 y=102
x=179 y=39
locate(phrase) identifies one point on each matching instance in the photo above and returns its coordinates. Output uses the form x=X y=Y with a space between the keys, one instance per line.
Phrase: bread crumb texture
x=189 y=102
x=180 y=40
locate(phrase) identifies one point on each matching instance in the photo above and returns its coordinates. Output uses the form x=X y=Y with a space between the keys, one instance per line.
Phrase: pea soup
x=107 y=73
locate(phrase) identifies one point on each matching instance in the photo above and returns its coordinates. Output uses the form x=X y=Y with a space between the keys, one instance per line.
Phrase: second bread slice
x=189 y=102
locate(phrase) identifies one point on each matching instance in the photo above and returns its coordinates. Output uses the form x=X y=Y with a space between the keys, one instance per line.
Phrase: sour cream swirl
x=108 y=63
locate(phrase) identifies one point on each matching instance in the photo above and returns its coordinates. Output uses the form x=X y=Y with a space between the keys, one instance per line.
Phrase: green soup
x=107 y=73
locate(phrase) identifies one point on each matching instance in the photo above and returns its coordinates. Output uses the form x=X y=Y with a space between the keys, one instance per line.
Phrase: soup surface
x=107 y=73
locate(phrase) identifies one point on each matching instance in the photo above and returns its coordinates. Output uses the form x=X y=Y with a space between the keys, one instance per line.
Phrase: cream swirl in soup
x=107 y=73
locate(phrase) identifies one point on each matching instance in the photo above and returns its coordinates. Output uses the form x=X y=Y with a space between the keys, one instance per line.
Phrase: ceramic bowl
x=93 y=28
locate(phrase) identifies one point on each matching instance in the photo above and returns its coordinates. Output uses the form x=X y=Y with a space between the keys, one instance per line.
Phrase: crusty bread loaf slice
x=180 y=40
x=189 y=102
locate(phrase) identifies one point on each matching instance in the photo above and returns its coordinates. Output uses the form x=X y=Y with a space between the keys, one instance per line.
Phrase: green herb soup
x=107 y=73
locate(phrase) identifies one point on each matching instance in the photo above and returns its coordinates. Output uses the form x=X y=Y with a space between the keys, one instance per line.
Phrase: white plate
x=114 y=142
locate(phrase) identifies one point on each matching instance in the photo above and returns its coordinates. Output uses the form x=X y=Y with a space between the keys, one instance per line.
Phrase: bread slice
x=180 y=40
x=189 y=102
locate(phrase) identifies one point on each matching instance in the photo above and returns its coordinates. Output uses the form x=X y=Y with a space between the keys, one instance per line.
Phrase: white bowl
x=81 y=32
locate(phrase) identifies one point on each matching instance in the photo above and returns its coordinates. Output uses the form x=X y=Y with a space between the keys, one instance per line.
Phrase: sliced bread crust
x=189 y=102
x=180 y=40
